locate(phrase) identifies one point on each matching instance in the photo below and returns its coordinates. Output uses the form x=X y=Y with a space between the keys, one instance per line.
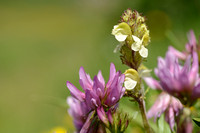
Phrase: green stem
x=140 y=101
x=143 y=113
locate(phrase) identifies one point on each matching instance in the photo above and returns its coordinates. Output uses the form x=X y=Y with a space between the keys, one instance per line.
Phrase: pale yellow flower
x=131 y=79
x=121 y=31
x=137 y=46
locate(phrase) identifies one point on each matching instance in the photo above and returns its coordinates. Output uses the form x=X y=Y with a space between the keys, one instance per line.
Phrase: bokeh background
x=43 y=43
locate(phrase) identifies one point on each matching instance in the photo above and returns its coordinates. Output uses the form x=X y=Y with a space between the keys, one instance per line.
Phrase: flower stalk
x=139 y=98
x=144 y=116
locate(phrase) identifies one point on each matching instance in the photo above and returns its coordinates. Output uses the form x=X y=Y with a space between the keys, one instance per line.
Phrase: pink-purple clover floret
x=167 y=104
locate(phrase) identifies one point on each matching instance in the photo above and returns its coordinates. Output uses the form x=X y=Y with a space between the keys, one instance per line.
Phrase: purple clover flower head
x=96 y=97
x=181 y=81
x=97 y=91
x=168 y=105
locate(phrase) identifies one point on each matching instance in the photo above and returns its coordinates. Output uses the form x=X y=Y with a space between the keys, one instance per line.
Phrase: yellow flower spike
x=133 y=37
x=58 y=130
x=131 y=79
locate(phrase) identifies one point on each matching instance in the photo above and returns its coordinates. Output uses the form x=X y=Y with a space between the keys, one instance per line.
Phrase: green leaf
x=197 y=121
x=163 y=126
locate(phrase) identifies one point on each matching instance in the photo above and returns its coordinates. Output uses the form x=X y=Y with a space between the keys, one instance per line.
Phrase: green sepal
x=197 y=121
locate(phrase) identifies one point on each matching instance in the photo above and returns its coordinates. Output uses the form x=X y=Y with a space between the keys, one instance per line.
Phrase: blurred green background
x=43 y=43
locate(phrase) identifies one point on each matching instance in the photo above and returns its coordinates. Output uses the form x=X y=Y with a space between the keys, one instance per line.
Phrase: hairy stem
x=143 y=113
x=140 y=101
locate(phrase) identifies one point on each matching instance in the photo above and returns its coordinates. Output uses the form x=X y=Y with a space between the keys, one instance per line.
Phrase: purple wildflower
x=166 y=104
x=179 y=81
x=96 y=97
